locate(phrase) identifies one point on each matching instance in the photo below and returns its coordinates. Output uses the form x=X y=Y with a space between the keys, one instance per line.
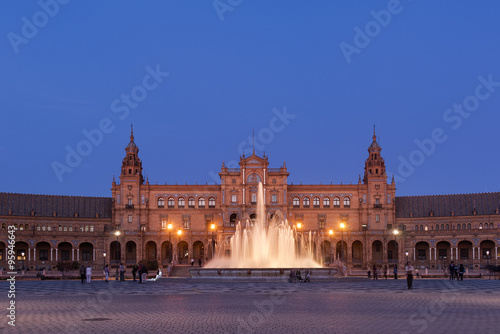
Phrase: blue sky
x=311 y=78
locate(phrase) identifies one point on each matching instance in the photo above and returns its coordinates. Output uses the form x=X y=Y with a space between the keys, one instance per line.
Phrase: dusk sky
x=197 y=77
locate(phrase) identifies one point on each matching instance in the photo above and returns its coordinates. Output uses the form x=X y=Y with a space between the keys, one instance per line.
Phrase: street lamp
x=179 y=232
x=396 y=232
x=487 y=258
x=212 y=227
x=22 y=260
x=331 y=234
x=342 y=226
x=117 y=233
x=406 y=256
x=170 y=248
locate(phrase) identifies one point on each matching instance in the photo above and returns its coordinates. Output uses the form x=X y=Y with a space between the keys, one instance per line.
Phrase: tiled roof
x=443 y=205
x=45 y=205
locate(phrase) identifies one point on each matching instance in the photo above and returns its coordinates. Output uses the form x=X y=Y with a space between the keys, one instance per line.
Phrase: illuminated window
x=305 y=202
x=161 y=202
x=296 y=202
x=182 y=202
x=191 y=202
x=336 y=202
x=171 y=202
x=201 y=202
x=326 y=202
x=211 y=202
x=316 y=202
x=347 y=202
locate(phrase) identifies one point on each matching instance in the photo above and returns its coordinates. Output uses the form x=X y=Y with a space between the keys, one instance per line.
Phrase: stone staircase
x=180 y=271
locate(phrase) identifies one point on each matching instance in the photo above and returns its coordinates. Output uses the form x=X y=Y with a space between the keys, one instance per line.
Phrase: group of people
x=457 y=271
x=141 y=270
x=199 y=262
x=296 y=276
x=409 y=269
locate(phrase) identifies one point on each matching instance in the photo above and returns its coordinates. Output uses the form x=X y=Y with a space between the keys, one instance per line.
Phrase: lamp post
x=179 y=232
x=104 y=259
x=488 y=263
x=331 y=246
x=117 y=233
x=170 y=248
x=406 y=256
x=212 y=227
x=342 y=227
x=396 y=232
x=22 y=260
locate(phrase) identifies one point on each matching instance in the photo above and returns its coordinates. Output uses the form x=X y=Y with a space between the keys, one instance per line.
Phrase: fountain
x=265 y=249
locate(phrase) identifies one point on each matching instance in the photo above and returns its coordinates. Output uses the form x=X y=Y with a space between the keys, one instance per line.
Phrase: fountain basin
x=264 y=274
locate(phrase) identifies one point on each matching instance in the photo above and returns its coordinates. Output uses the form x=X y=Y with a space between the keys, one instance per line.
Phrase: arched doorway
x=166 y=252
x=233 y=219
x=130 y=252
x=150 y=251
x=357 y=254
x=338 y=250
x=377 y=252
x=42 y=252
x=392 y=252
x=422 y=255
x=465 y=253
x=115 y=252
x=487 y=252
x=21 y=254
x=86 y=250
x=253 y=218
x=326 y=252
x=443 y=251
x=64 y=250
x=183 y=252
x=199 y=250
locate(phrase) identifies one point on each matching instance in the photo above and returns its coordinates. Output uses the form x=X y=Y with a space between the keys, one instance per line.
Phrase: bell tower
x=374 y=165
x=131 y=164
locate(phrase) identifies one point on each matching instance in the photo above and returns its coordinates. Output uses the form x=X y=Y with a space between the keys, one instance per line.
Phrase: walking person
x=122 y=273
x=139 y=271
x=82 y=273
x=385 y=271
x=88 y=273
x=106 y=273
x=409 y=275
x=134 y=271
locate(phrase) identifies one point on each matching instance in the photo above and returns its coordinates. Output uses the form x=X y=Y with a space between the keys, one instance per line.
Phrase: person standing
x=375 y=274
x=452 y=271
x=199 y=262
x=139 y=271
x=134 y=271
x=409 y=275
x=82 y=273
x=192 y=262
x=88 y=273
x=461 y=271
x=385 y=271
x=122 y=273
x=395 y=271
x=144 y=273
x=106 y=273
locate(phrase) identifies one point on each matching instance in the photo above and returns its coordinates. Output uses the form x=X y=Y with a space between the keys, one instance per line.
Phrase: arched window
x=347 y=202
x=491 y=225
x=305 y=202
x=458 y=226
x=26 y=227
x=404 y=227
x=49 y=228
x=326 y=202
x=447 y=227
x=336 y=202
x=416 y=227
x=4 y=226
x=182 y=202
x=191 y=202
x=468 y=226
x=316 y=202
x=296 y=202
x=201 y=202
x=437 y=227
x=421 y=227
x=486 y=225
x=171 y=202
x=481 y=226
x=161 y=202
x=464 y=226
x=254 y=198
x=211 y=202
x=21 y=227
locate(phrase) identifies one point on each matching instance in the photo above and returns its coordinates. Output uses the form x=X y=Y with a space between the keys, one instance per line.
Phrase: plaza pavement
x=186 y=306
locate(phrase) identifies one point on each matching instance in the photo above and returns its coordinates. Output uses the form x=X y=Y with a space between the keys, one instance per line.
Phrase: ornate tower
x=131 y=164
x=374 y=165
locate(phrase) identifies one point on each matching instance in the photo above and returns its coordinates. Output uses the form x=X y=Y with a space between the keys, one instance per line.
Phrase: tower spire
x=253 y=141
x=374 y=135
x=131 y=132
